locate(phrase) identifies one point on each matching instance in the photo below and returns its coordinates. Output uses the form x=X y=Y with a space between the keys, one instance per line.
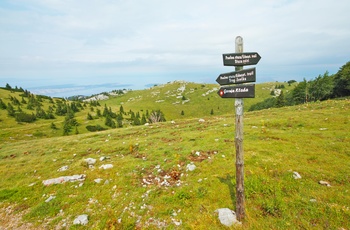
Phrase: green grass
x=201 y=99
x=311 y=139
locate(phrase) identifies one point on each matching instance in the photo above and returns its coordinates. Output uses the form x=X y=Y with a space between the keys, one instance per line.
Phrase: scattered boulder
x=201 y=120
x=90 y=161
x=64 y=179
x=227 y=217
x=103 y=158
x=106 y=166
x=82 y=220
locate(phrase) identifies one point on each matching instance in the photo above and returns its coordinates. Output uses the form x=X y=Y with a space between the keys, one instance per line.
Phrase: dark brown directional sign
x=237 y=77
x=241 y=59
x=237 y=91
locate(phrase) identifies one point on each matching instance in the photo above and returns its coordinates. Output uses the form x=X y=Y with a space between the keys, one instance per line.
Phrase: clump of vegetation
x=321 y=88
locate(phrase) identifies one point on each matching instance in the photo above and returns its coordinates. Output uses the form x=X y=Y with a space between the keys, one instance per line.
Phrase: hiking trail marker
x=239 y=59
x=242 y=76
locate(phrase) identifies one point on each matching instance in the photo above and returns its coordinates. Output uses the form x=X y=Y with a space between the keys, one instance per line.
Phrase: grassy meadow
x=150 y=186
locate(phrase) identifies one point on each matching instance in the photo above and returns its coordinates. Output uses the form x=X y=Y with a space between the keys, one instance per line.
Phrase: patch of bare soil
x=13 y=220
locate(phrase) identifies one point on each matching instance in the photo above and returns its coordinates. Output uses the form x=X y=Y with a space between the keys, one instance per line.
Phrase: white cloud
x=42 y=38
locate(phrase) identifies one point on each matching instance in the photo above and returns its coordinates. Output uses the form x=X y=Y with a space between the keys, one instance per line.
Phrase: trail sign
x=237 y=91
x=241 y=59
x=242 y=76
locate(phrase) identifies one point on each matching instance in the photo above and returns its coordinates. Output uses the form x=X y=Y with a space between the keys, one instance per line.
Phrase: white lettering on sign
x=241 y=59
x=236 y=90
x=251 y=73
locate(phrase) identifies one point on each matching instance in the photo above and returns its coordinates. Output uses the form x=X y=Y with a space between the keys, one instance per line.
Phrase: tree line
x=20 y=109
x=323 y=87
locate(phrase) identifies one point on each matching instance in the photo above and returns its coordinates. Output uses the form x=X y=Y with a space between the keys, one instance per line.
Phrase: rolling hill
x=175 y=175
x=177 y=100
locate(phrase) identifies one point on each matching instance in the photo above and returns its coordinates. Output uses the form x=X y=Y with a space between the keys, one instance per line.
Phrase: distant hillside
x=42 y=116
x=181 y=99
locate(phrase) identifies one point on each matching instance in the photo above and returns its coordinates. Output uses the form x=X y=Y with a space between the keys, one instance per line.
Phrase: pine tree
x=280 y=100
x=10 y=110
x=53 y=126
x=76 y=130
x=143 y=119
x=89 y=116
x=137 y=121
x=2 y=104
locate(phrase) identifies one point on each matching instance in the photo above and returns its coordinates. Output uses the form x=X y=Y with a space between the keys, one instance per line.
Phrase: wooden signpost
x=239 y=59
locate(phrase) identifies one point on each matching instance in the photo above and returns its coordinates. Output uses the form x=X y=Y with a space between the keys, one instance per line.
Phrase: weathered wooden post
x=240 y=201
x=240 y=76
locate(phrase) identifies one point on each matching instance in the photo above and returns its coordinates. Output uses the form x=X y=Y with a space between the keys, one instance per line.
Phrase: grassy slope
x=167 y=98
x=310 y=139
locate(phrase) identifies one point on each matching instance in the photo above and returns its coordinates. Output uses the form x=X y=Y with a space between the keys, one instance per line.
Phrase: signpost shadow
x=231 y=187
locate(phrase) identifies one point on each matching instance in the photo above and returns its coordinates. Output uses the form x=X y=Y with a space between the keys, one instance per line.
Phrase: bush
x=24 y=117
x=94 y=128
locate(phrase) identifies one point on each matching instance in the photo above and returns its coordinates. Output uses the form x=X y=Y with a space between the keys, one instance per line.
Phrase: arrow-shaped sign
x=237 y=91
x=242 y=76
x=241 y=59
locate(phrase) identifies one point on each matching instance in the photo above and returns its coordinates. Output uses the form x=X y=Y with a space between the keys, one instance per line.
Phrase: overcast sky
x=64 y=47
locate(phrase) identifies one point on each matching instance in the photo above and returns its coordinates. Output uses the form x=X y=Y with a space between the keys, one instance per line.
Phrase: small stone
x=50 y=199
x=90 y=161
x=296 y=175
x=106 y=166
x=98 y=180
x=82 y=220
x=190 y=167
x=63 y=168
x=201 y=120
x=227 y=217
x=326 y=183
